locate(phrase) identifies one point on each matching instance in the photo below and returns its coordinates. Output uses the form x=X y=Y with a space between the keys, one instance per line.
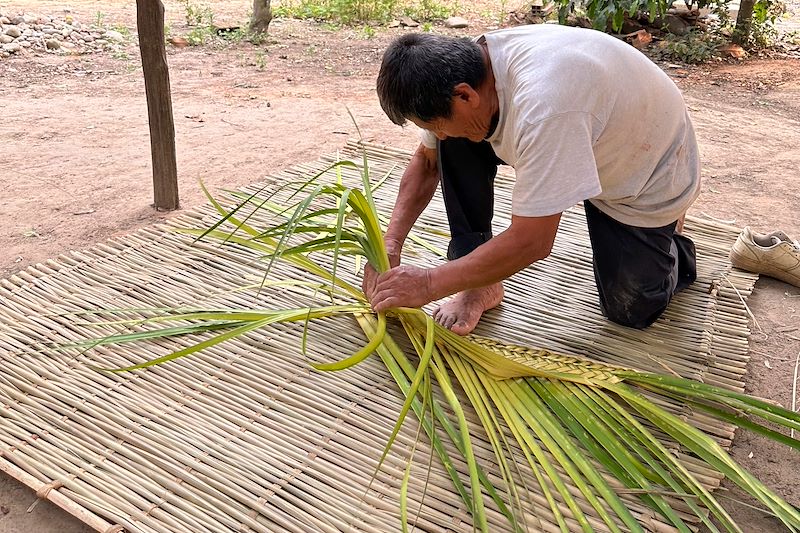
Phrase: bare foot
x=463 y=311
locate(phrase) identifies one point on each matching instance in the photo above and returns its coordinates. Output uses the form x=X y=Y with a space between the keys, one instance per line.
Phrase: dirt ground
x=75 y=163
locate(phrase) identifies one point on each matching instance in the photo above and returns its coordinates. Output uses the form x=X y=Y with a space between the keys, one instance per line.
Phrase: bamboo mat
x=244 y=437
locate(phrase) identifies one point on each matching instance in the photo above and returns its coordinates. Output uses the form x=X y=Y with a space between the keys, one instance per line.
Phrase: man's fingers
x=369 y=280
x=382 y=302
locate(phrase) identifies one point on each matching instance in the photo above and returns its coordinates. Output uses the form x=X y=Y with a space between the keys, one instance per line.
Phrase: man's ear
x=464 y=93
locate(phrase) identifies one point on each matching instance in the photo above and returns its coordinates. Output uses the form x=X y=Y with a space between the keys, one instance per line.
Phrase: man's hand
x=393 y=249
x=402 y=286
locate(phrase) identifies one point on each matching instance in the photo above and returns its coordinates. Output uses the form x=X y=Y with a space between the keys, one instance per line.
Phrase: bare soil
x=75 y=163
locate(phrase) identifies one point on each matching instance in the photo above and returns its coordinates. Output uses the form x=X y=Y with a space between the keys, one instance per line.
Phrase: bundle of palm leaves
x=577 y=424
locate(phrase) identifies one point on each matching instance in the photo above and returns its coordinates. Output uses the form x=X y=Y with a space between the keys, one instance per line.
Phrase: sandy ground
x=75 y=164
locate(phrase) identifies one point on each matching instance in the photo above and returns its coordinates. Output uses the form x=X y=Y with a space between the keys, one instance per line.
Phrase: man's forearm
x=417 y=187
x=497 y=259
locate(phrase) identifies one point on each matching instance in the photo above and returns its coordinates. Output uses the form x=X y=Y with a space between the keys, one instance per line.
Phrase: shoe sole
x=760 y=268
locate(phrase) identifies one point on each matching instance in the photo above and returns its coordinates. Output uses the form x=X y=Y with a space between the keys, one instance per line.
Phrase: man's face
x=450 y=127
x=464 y=121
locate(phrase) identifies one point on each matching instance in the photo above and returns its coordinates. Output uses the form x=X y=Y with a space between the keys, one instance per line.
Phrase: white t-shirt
x=585 y=115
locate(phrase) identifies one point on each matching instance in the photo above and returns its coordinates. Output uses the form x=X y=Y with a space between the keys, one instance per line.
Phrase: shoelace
x=794 y=244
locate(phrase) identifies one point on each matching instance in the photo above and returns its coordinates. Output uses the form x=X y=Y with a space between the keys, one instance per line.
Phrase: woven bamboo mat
x=244 y=437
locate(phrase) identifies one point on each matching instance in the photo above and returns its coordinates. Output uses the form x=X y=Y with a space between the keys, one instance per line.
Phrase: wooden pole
x=150 y=24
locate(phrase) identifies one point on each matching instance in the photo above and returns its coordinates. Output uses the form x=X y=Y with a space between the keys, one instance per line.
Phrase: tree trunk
x=741 y=34
x=150 y=25
x=262 y=16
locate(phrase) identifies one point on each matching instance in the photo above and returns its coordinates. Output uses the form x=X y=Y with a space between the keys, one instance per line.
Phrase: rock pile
x=23 y=33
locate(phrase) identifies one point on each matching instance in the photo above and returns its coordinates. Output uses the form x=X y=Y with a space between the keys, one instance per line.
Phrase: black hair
x=419 y=72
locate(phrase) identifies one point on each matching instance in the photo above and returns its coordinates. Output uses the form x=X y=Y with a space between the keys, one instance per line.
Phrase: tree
x=150 y=25
x=262 y=16
x=744 y=20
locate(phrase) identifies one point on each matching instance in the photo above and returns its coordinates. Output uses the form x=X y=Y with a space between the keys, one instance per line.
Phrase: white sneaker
x=772 y=254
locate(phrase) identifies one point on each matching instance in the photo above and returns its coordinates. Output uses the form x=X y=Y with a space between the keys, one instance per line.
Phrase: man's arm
x=417 y=186
x=527 y=239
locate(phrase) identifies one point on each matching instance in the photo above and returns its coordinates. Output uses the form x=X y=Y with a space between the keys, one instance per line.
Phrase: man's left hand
x=402 y=286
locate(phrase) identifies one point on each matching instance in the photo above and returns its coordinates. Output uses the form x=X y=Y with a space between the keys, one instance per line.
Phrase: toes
x=462 y=328
x=448 y=321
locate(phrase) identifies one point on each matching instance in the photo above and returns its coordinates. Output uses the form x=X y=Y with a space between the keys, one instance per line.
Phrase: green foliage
x=235 y=36
x=200 y=18
x=122 y=30
x=368 y=31
x=197 y=14
x=99 y=19
x=694 y=47
x=120 y=55
x=257 y=38
x=428 y=10
x=603 y=13
x=200 y=35
x=763 y=33
x=364 y=11
x=343 y=11
x=261 y=60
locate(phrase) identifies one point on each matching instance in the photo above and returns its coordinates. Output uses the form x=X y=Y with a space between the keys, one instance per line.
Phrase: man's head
x=429 y=78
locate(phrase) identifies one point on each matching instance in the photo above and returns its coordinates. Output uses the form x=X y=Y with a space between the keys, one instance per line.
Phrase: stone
x=641 y=39
x=77 y=26
x=13 y=31
x=50 y=31
x=456 y=22
x=630 y=26
x=5 y=21
x=5 y=39
x=12 y=47
x=17 y=20
x=732 y=50
x=673 y=24
x=408 y=22
x=66 y=31
x=25 y=44
x=87 y=38
x=112 y=35
x=52 y=44
x=394 y=24
x=28 y=19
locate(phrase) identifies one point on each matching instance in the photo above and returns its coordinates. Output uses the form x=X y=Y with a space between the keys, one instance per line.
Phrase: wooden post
x=150 y=25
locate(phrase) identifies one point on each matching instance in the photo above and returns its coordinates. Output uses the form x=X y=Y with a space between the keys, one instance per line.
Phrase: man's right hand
x=393 y=249
x=417 y=186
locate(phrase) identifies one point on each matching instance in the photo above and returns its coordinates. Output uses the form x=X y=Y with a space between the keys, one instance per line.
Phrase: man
x=582 y=117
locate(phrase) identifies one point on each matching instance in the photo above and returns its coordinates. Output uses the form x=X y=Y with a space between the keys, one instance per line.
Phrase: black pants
x=637 y=270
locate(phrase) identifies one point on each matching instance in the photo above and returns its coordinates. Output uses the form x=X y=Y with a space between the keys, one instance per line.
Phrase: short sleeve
x=427 y=138
x=555 y=167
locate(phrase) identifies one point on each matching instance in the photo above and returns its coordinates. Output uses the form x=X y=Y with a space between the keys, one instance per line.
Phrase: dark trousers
x=637 y=270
